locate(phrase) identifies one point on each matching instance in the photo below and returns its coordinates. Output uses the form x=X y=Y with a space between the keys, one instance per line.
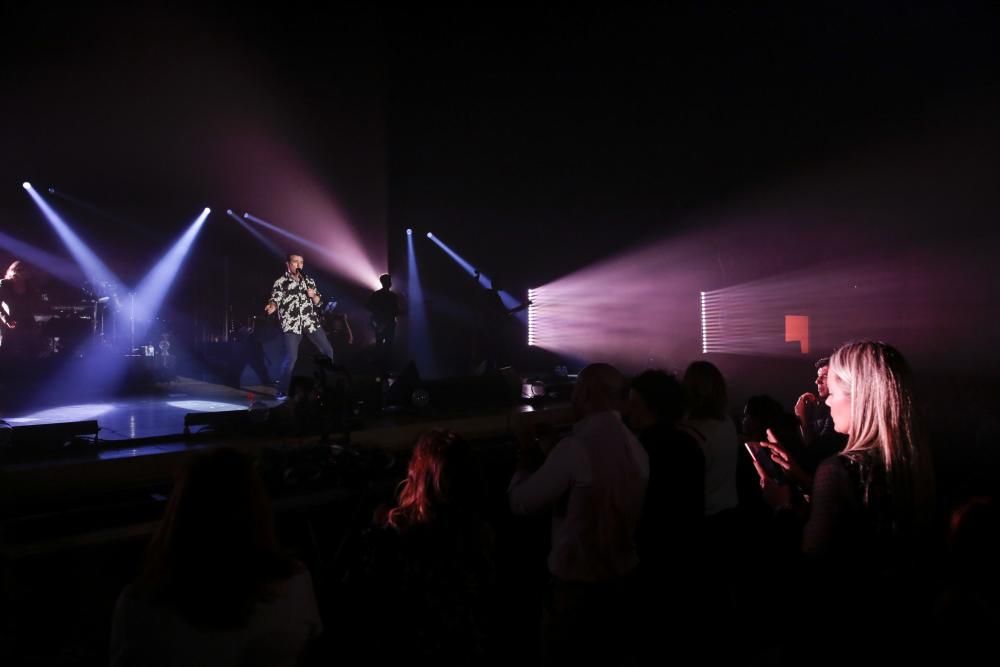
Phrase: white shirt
x=595 y=482
x=719 y=442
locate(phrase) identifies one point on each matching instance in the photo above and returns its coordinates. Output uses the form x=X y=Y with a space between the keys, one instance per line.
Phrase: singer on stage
x=295 y=297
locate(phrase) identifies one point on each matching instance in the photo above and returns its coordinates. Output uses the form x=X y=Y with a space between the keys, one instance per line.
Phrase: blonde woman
x=869 y=511
x=879 y=490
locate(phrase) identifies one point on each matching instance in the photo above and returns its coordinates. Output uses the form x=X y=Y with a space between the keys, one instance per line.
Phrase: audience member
x=594 y=482
x=430 y=559
x=815 y=424
x=216 y=589
x=871 y=506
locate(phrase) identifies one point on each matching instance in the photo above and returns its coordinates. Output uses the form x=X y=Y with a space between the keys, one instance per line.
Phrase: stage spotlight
x=341 y=253
x=266 y=242
x=56 y=266
x=207 y=210
x=153 y=289
x=95 y=270
x=409 y=232
x=419 y=333
x=704 y=326
x=52 y=191
x=26 y=185
x=633 y=309
x=430 y=235
x=229 y=211
x=246 y=215
x=531 y=318
x=513 y=304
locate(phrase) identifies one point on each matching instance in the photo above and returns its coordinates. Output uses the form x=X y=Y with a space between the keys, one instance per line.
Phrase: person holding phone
x=761 y=456
x=883 y=478
x=870 y=508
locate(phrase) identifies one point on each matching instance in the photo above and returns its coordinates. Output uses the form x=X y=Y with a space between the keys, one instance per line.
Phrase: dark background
x=534 y=141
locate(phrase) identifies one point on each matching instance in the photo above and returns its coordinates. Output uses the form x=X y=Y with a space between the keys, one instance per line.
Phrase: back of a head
x=443 y=478
x=765 y=409
x=600 y=387
x=763 y=412
x=385 y=280
x=216 y=541
x=662 y=393
x=705 y=389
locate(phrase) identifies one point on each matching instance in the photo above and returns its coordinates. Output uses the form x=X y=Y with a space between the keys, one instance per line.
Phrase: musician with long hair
x=7 y=320
x=18 y=304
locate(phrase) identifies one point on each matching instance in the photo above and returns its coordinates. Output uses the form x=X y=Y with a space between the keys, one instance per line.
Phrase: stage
x=111 y=489
x=153 y=415
x=135 y=439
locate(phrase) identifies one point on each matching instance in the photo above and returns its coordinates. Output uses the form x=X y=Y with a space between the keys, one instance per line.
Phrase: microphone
x=305 y=278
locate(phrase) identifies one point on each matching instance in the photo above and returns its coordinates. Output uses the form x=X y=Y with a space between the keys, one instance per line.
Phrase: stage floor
x=146 y=416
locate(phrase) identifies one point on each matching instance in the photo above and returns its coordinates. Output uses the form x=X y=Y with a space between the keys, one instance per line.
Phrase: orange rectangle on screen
x=797 y=331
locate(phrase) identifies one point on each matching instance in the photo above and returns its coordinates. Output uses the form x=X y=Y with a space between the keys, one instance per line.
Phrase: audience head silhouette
x=215 y=551
x=706 y=391
x=599 y=388
x=656 y=396
x=443 y=479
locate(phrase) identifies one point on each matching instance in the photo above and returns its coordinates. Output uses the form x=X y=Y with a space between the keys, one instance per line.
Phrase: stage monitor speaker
x=226 y=422
x=42 y=441
x=400 y=392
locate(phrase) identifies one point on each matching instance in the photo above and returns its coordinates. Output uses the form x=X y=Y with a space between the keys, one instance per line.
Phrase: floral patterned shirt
x=296 y=310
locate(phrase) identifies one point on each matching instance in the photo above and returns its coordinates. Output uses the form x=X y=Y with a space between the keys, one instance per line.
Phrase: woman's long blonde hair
x=884 y=421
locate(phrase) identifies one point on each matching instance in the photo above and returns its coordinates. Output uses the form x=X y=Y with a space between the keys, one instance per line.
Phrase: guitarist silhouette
x=383 y=305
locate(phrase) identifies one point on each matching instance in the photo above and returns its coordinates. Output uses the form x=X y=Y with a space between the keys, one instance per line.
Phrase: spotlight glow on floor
x=206 y=406
x=63 y=413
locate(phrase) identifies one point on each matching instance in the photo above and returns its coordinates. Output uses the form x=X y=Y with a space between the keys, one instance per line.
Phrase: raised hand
x=791 y=467
x=776 y=495
x=805 y=402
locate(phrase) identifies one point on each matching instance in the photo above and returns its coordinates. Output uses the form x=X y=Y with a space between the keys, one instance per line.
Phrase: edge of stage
x=75 y=490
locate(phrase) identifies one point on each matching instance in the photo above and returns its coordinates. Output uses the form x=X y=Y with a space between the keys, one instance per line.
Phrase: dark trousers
x=292 y=342
x=385 y=334
x=589 y=623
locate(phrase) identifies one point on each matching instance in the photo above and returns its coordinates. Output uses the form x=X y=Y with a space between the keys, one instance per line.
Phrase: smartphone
x=762 y=455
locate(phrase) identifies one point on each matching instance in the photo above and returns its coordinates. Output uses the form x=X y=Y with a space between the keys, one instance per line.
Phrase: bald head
x=599 y=387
